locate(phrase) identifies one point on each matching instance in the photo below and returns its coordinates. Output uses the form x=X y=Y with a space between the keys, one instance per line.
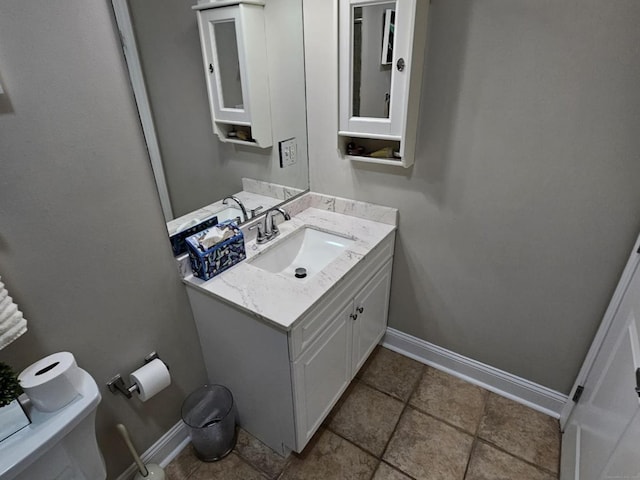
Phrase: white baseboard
x=163 y=451
x=510 y=386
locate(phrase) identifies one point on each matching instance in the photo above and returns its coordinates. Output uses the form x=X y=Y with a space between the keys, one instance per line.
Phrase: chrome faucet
x=269 y=229
x=237 y=200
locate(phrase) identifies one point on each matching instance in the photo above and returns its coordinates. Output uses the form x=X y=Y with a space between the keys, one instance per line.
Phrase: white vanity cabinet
x=326 y=367
x=233 y=41
x=285 y=382
x=381 y=54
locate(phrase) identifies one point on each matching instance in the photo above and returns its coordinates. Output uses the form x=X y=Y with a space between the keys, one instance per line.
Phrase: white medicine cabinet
x=233 y=40
x=381 y=56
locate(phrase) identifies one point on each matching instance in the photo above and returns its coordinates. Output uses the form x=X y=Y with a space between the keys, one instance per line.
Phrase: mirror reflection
x=373 y=36
x=228 y=59
x=194 y=171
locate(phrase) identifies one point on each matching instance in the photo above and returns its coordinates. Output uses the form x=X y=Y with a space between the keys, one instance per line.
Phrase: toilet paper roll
x=50 y=383
x=151 y=378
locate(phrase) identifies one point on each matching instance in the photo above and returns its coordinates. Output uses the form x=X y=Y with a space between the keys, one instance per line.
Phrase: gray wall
x=524 y=201
x=199 y=168
x=83 y=248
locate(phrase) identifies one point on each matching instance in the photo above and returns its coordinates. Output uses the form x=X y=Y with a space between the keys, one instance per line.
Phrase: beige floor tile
x=521 y=431
x=385 y=472
x=367 y=418
x=488 y=463
x=391 y=373
x=183 y=465
x=231 y=467
x=329 y=457
x=449 y=398
x=259 y=455
x=428 y=449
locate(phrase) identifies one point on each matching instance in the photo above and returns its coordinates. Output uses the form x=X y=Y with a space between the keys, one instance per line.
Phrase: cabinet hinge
x=578 y=393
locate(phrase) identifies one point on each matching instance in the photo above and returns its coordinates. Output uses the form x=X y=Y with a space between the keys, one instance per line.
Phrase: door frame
x=603 y=329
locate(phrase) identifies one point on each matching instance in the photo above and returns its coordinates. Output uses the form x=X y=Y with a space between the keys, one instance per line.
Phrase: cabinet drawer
x=303 y=334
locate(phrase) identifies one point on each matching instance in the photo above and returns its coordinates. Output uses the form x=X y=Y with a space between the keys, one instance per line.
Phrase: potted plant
x=12 y=415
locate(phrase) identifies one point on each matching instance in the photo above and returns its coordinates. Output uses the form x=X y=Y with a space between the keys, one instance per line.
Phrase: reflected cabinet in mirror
x=234 y=50
x=189 y=83
x=381 y=55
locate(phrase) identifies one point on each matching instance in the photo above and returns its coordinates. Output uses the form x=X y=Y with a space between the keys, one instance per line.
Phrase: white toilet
x=58 y=445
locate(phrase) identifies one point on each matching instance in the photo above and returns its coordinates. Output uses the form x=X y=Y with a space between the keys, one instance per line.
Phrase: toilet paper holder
x=116 y=384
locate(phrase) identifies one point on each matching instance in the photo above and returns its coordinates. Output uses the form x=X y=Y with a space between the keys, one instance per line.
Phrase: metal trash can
x=210 y=416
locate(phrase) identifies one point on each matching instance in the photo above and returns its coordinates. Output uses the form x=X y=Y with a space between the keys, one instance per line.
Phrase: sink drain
x=301 y=272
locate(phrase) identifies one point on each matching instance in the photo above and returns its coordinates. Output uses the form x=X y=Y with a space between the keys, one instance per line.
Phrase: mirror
x=229 y=61
x=373 y=36
x=194 y=171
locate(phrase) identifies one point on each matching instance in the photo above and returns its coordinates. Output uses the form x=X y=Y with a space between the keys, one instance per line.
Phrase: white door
x=601 y=437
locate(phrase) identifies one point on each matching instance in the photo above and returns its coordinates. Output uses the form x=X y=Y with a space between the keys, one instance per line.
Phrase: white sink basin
x=229 y=213
x=306 y=248
x=188 y=224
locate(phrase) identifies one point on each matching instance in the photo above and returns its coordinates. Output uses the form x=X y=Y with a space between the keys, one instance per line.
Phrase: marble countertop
x=282 y=300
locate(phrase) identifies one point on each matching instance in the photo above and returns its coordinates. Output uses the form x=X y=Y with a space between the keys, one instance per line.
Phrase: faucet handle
x=260 y=237
x=255 y=210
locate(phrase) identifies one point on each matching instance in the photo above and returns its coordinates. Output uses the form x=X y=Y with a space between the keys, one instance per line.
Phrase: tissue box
x=220 y=257
x=178 y=243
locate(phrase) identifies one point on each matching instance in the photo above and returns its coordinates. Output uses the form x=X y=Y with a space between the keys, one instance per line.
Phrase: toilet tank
x=58 y=445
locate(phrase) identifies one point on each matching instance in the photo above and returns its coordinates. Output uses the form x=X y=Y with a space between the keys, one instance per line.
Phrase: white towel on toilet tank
x=12 y=323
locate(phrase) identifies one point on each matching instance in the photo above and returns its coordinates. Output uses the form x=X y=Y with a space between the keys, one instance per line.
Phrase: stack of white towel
x=12 y=323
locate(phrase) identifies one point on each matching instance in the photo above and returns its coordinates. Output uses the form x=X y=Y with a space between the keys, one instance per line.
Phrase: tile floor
x=401 y=420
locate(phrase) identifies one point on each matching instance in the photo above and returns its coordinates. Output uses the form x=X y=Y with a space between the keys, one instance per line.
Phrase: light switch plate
x=288 y=152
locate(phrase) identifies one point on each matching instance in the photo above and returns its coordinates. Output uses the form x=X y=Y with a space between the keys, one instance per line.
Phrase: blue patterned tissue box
x=209 y=263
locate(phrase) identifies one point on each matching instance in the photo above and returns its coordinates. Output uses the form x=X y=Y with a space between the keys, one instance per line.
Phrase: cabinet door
x=375 y=63
x=321 y=374
x=223 y=49
x=369 y=317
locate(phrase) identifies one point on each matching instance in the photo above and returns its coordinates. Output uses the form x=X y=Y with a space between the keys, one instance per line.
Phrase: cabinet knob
x=400 y=64
x=353 y=316
x=360 y=309
x=210 y=68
